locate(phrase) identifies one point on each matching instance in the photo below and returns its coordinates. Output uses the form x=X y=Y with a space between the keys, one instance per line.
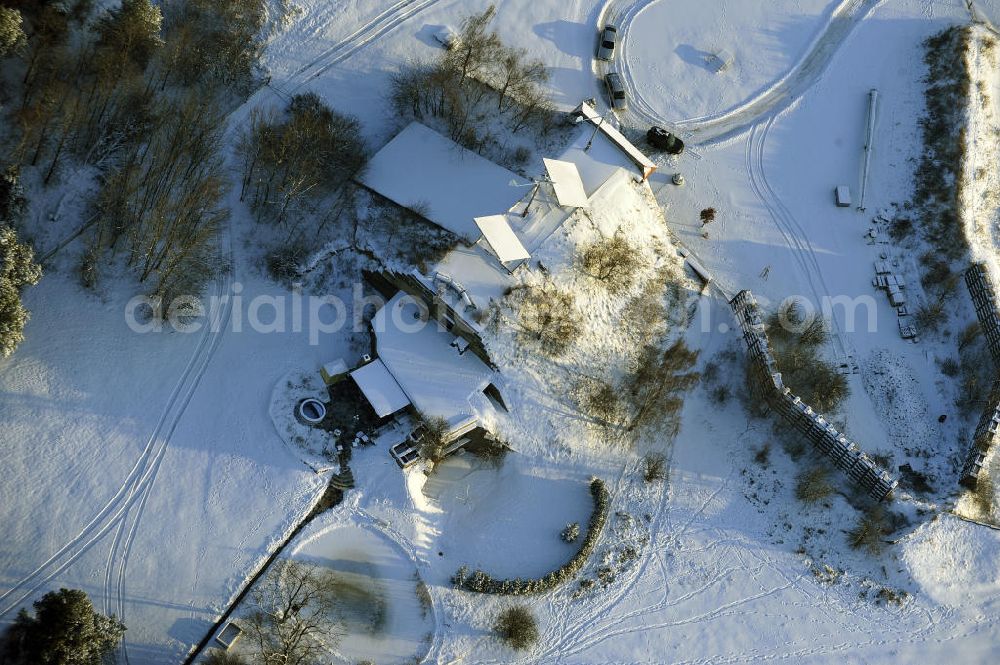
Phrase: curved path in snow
x=707 y=129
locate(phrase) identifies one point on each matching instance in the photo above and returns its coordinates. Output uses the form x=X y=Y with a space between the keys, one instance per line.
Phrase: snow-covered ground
x=146 y=470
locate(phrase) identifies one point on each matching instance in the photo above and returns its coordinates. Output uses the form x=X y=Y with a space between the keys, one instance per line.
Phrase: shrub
x=571 y=532
x=868 y=531
x=599 y=399
x=548 y=316
x=613 y=261
x=931 y=315
x=434 y=442
x=517 y=627
x=220 y=657
x=707 y=215
x=657 y=380
x=950 y=367
x=424 y=596
x=481 y=582
x=654 y=467
x=813 y=485
x=763 y=455
x=719 y=394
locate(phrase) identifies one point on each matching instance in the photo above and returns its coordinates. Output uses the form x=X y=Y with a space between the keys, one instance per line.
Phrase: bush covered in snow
x=654 y=467
x=517 y=627
x=813 y=485
x=796 y=344
x=481 y=582
x=571 y=532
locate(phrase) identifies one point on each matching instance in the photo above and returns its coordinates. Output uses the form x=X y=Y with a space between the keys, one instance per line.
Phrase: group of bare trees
x=296 y=158
x=162 y=208
x=138 y=92
x=474 y=83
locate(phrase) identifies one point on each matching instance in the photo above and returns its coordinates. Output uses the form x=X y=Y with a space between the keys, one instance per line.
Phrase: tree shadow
x=694 y=56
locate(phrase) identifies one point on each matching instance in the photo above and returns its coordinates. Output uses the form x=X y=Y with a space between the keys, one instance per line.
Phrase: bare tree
x=548 y=316
x=477 y=45
x=657 y=379
x=295 y=620
x=613 y=261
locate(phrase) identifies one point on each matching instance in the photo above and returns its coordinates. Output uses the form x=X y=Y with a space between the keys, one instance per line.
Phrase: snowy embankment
x=980 y=191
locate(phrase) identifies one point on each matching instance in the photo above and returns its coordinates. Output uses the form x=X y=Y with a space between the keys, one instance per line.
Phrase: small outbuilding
x=843 y=194
x=380 y=388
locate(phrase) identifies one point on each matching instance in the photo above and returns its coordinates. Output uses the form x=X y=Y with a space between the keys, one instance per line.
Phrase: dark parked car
x=660 y=138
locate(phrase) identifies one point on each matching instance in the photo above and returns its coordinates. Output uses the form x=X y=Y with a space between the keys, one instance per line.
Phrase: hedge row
x=481 y=582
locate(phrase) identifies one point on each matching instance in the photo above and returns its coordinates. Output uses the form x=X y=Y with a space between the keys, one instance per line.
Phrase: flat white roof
x=426 y=172
x=502 y=238
x=380 y=389
x=566 y=182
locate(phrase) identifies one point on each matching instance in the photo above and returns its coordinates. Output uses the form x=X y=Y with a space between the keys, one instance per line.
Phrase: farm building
x=425 y=172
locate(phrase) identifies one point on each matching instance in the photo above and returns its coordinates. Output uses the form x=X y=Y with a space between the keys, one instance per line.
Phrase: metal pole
x=534 y=190
x=596 y=128
x=872 y=107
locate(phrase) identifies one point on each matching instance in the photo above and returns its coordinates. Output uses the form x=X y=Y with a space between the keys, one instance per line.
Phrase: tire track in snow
x=215 y=332
x=793 y=233
x=112 y=512
x=800 y=77
x=382 y=24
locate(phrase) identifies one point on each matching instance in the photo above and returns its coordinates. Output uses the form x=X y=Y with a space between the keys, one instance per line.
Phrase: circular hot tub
x=312 y=411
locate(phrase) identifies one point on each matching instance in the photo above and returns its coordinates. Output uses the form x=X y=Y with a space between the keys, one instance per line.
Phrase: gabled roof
x=501 y=238
x=440 y=180
x=380 y=389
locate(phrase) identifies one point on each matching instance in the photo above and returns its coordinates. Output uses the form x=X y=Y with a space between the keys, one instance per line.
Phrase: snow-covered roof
x=335 y=367
x=380 y=388
x=566 y=182
x=449 y=185
x=419 y=353
x=501 y=238
x=598 y=162
x=607 y=129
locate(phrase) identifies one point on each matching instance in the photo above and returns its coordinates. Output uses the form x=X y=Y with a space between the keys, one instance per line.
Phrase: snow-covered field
x=146 y=469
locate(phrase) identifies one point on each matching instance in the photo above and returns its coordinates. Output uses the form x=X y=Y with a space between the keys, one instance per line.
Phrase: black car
x=660 y=138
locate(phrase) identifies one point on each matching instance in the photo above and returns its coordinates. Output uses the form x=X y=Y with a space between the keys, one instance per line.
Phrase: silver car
x=616 y=91
x=606 y=47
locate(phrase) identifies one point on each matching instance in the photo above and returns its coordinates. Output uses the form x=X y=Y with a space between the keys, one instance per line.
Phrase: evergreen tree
x=11 y=32
x=64 y=631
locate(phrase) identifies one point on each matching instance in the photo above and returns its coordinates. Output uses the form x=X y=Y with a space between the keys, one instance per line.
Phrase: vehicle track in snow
x=711 y=128
x=214 y=334
x=793 y=233
x=112 y=512
x=382 y=24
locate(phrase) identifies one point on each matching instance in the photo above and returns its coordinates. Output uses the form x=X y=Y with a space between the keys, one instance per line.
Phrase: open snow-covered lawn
x=144 y=468
x=516 y=513
x=670 y=52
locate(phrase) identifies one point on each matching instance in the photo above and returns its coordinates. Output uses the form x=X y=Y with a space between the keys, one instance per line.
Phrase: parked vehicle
x=606 y=46
x=660 y=138
x=616 y=91
x=446 y=36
